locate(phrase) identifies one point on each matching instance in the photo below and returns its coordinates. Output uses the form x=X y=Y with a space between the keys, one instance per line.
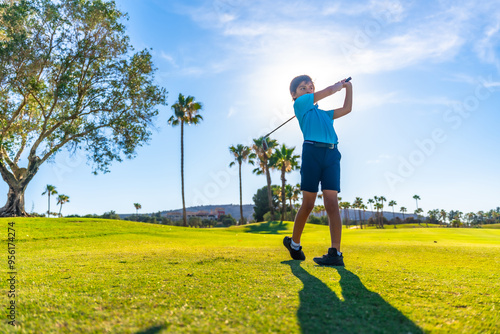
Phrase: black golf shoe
x=295 y=254
x=332 y=258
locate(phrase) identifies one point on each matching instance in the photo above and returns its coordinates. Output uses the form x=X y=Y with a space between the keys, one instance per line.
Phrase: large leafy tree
x=69 y=79
x=241 y=153
x=186 y=111
x=284 y=160
x=261 y=204
x=263 y=148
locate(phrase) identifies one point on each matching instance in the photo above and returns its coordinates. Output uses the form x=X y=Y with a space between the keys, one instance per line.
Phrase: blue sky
x=426 y=116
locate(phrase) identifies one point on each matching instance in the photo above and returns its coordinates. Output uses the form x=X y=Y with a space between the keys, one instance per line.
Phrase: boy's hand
x=346 y=84
x=338 y=86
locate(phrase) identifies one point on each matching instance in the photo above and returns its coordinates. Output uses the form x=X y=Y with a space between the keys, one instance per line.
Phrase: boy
x=320 y=163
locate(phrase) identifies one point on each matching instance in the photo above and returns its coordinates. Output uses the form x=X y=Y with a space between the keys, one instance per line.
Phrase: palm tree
x=380 y=206
x=289 y=194
x=296 y=192
x=382 y=199
x=317 y=209
x=392 y=204
x=371 y=201
x=403 y=210
x=264 y=167
x=470 y=217
x=442 y=213
x=345 y=206
x=364 y=208
x=322 y=210
x=358 y=202
x=49 y=190
x=61 y=199
x=284 y=160
x=418 y=212
x=416 y=198
x=241 y=154
x=185 y=112
x=137 y=208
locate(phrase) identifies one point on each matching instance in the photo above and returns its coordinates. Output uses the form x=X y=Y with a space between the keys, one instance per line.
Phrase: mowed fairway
x=99 y=276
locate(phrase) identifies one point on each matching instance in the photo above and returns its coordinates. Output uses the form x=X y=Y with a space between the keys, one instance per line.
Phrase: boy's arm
x=347 y=102
x=328 y=91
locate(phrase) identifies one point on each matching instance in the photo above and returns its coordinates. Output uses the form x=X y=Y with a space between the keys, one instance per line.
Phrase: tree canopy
x=69 y=79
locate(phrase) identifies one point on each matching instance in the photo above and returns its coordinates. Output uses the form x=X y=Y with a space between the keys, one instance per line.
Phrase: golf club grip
x=348 y=79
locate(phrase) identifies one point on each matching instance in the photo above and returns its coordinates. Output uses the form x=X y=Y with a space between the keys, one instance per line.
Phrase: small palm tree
x=49 y=190
x=61 y=199
x=137 y=208
x=371 y=201
x=186 y=111
x=382 y=199
x=418 y=212
x=289 y=194
x=442 y=213
x=284 y=160
x=241 y=154
x=358 y=202
x=416 y=198
x=364 y=208
x=403 y=210
x=392 y=204
x=345 y=206
x=379 y=206
x=259 y=147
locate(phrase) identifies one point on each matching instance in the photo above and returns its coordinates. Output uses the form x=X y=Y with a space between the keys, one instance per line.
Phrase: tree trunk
x=15 y=203
x=269 y=190
x=283 y=200
x=17 y=182
x=184 y=216
x=48 y=206
x=241 y=197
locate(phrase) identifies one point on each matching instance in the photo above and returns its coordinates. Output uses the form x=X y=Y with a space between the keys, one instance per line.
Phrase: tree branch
x=5 y=156
x=21 y=149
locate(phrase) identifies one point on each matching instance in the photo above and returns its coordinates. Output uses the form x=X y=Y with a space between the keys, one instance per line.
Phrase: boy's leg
x=332 y=209
x=308 y=199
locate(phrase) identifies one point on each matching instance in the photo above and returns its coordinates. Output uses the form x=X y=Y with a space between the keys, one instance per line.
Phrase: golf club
x=264 y=142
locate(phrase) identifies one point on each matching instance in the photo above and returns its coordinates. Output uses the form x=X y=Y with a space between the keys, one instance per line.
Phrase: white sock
x=295 y=246
x=339 y=253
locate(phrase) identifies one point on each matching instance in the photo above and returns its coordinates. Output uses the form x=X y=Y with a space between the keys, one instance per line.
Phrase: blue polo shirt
x=316 y=124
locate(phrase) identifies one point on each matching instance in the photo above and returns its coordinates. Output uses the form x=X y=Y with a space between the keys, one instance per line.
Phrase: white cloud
x=486 y=48
x=168 y=58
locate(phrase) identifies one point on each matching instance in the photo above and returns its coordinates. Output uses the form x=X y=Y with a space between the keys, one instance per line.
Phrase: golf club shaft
x=279 y=127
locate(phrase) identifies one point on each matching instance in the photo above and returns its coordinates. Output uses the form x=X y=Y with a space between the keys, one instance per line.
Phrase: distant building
x=177 y=215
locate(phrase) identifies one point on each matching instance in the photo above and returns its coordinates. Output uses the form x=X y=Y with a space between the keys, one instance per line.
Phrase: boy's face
x=305 y=87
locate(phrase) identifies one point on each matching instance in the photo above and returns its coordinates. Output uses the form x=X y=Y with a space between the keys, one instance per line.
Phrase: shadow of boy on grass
x=361 y=311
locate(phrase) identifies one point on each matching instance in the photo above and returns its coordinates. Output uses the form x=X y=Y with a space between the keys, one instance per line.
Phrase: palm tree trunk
x=283 y=200
x=60 y=211
x=269 y=190
x=241 y=197
x=184 y=218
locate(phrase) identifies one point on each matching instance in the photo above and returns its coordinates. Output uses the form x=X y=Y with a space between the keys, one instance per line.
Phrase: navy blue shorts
x=320 y=165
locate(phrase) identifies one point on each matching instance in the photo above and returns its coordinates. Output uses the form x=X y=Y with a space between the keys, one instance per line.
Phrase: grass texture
x=103 y=276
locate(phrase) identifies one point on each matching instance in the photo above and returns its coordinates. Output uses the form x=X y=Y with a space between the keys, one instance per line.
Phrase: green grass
x=102 y=276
